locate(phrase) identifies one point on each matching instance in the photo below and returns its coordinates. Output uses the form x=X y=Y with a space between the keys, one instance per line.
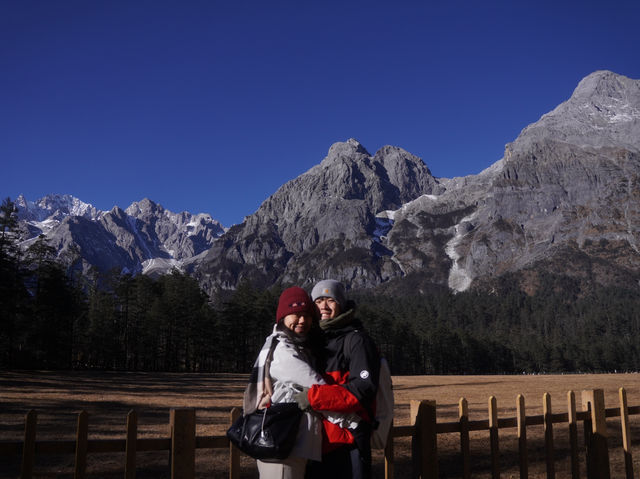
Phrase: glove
x=302 y=399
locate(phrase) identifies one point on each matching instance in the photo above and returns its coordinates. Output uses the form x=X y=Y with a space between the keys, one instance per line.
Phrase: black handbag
x=268 y=433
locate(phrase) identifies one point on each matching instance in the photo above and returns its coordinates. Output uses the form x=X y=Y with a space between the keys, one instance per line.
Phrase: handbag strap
x=268 y=382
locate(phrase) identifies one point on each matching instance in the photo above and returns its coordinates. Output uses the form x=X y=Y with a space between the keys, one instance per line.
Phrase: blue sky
x=210 y=106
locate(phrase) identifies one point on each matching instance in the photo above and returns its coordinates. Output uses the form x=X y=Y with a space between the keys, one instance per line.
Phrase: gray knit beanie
x=330 y=288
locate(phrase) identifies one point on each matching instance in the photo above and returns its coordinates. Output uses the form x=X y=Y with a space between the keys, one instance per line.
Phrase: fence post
x=522 y=437
x=234 y=452
x=463 y=417
x=82 y=435
x=389 y=458
x=29 y=447
x=494 y=440
x=548 y=435
x=183 y=443
x=573 y=435
x=597 y=450
x=424 y=442
x=131 y=445
x=626 y=433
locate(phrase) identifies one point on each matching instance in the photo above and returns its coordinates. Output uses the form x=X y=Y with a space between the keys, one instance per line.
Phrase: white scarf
x=257 y=394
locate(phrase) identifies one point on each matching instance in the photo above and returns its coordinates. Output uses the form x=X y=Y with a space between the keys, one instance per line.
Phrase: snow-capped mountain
x=143 y=238
x=54 y=207
x=43 y=215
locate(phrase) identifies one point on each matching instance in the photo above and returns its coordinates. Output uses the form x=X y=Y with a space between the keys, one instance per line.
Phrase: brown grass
x=108 y=397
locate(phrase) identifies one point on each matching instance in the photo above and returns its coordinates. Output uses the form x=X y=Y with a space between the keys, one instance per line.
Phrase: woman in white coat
x=290 y=370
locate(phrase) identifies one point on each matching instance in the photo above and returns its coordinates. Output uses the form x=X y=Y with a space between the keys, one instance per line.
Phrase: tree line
x=53 y=317
x=561 y=328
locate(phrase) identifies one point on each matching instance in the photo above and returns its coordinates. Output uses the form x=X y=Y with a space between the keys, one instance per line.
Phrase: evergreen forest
x=53 y=317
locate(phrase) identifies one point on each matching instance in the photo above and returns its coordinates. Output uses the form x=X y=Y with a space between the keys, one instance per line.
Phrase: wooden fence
x=424 y=429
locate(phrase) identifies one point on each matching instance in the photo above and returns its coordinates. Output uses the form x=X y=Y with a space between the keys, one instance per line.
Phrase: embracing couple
x=326 y=363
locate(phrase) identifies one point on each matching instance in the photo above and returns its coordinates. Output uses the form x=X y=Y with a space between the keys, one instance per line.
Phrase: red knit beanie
x=293 y=300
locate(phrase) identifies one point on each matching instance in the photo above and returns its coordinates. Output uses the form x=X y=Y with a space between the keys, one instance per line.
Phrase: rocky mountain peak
x=345 y=149
x=54 y=207
x=144 y=207
x=606 y=85
x=118 y=212
x=603 y=111
x=302 y=221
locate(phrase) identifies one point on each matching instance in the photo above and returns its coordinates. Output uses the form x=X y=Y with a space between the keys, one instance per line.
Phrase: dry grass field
x=108 y=397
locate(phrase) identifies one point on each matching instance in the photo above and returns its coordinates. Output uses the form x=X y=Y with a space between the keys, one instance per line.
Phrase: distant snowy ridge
x=143 y=238
x=54 y=207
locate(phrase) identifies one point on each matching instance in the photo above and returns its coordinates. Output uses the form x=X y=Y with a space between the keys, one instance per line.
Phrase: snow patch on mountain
x=459 y=279
x=46 y=225
x=134 y=230
x=390 y=215
x=160 y=265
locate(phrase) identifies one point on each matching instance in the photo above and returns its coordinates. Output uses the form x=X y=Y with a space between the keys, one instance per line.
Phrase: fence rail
x=423 y=431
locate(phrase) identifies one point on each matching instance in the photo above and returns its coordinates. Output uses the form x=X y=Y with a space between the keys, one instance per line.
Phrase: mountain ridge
x=567 y=186
x=126 y=240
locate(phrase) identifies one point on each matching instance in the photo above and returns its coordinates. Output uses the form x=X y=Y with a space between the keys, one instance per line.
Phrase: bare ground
x=59 y=396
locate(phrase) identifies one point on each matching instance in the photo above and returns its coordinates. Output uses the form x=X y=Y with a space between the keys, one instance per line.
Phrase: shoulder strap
x=268 y=382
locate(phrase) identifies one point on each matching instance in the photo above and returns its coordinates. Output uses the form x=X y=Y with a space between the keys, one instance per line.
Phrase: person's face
x=328 y=308
x=299 y=323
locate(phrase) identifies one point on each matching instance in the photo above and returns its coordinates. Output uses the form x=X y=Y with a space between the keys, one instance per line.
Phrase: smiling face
x=299 y=323
x=328 y=308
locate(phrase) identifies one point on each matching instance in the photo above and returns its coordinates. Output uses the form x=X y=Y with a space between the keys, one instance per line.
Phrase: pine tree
x=13 y=295
x=48 y=334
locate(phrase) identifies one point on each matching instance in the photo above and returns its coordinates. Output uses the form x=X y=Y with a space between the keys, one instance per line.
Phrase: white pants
x=290 y=468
